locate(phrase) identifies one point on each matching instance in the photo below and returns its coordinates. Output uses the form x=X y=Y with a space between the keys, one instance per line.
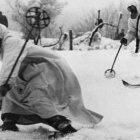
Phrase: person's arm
x=11 y=52
x=5 y=87
x=131 y=33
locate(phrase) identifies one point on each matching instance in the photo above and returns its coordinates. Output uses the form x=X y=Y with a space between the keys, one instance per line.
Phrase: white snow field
x=119 y=105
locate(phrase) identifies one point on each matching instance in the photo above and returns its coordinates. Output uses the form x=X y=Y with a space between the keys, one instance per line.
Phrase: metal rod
x=116 y=57
x=24 y=45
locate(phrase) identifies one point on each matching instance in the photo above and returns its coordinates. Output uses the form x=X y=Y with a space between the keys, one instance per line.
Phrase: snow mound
x=119 y=105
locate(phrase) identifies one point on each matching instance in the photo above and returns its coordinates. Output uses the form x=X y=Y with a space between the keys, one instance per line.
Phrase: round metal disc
x=37 y=18
x=110 y=73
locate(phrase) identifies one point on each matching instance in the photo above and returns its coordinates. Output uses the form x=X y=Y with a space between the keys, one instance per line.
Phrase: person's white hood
x=135 y=3
x=131 y=33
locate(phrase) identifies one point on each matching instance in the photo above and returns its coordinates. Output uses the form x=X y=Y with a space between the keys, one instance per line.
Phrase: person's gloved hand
x=123 y=41
x=4 y=89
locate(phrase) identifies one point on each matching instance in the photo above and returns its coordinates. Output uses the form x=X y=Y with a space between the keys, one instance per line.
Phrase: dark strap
x=137 y=35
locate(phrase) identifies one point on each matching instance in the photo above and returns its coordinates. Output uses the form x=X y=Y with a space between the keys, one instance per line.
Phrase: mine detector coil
x=36 y=18
x=110 y=73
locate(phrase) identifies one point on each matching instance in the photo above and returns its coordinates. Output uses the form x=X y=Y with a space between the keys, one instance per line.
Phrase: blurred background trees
x=111 y=14
x=86 y=22
x=52 y=7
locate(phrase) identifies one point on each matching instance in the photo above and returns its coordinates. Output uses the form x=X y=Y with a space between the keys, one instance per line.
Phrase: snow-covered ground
x=119 y=105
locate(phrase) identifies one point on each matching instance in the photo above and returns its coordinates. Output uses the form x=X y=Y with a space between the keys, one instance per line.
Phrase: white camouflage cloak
x=48 y=86
x=131 y=33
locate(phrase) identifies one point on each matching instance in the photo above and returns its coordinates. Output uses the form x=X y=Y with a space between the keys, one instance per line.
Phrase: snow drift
x=119 y=105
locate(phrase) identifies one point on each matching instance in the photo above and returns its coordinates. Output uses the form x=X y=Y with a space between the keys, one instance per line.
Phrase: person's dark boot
x=66 y=129
x=62 y=125
x=63 y=131
x=9 y=122
x=9 y=126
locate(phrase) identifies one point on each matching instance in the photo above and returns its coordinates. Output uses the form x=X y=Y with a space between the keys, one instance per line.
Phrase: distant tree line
x=52 y=7
x=109 y=14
